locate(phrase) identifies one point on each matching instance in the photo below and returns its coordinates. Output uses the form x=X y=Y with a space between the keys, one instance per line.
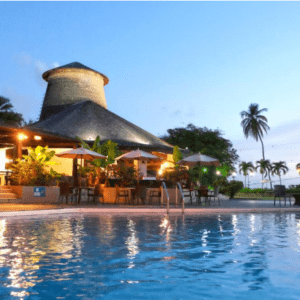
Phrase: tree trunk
x=262 y=146
x=245 y=181
x=280 y=178
x=263 y=153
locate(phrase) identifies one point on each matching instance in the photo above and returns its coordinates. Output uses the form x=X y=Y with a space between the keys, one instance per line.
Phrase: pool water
x=237 y=256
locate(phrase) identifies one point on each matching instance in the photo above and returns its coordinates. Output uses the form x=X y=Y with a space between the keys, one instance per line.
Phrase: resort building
x=75 y=106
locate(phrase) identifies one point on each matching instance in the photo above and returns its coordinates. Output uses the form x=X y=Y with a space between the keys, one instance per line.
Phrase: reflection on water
x=209 y=257
x=132 y=243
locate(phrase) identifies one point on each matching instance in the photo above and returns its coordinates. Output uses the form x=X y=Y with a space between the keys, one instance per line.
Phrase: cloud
x=56 y=65
x=39 y=68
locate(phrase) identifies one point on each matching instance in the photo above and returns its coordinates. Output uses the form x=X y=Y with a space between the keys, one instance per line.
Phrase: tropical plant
x=126 y=174
x=33 y=169
x=177 y=155
x=206 y=175
x=254 y=123
x=244 y=168
x=7 y=115
x=231 y=188
x=278 y=167
x=109 y=149
x=264 y=166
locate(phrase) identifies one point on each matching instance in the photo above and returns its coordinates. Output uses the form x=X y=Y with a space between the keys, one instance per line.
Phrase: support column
x=19 y=149
x=75 y=174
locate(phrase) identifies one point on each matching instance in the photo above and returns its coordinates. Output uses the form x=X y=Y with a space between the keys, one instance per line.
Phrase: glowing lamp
x=37 y=137
x=22 y=137
x=218 y=172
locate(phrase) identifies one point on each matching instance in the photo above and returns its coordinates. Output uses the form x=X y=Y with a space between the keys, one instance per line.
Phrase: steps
x=6 y=194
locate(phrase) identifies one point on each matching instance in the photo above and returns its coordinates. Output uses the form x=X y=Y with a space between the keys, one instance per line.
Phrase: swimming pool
x=238 y=256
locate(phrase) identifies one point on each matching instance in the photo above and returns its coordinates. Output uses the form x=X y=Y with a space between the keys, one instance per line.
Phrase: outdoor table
x=80 y=188
x=297 y=199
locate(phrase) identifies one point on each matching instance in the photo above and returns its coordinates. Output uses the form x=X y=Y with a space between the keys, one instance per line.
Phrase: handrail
x=182 y=195
x=167 y=194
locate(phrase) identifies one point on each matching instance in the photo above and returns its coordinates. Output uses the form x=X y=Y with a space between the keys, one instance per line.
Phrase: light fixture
x=233 y=174
x=218 y=172
x=22 y=137
x=37 y=137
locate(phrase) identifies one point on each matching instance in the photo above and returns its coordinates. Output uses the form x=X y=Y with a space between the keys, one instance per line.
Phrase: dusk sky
x=169 y=64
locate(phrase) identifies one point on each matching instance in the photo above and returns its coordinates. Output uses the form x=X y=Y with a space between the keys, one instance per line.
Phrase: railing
x=164 y=189
x=178 y=186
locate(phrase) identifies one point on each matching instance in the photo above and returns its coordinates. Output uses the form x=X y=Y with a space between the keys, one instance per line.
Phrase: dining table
x=80 y=189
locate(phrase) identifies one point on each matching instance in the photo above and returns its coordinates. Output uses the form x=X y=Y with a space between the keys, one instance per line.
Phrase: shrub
x=231 y=188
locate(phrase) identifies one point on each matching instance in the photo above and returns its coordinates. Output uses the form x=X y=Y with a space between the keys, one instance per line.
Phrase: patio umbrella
x=199 y=159
x=138 y=155
x=81 y=153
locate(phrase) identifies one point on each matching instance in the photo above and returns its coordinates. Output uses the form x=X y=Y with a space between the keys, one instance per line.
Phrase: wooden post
x=19 y=149
x=75 y=174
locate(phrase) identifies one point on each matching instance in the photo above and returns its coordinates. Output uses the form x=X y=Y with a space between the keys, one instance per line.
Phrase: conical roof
x=74 y=65
x=87 y=120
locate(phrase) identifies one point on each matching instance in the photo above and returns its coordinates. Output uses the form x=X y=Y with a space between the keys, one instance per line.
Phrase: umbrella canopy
x=199 y=159
x=81 y=153
x=138 y=155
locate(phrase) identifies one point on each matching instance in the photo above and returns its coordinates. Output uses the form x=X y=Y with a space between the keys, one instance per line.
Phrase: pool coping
x=129 y=210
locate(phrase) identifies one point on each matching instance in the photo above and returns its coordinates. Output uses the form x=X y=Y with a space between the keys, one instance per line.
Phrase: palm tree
x=255 y=124
x=277 y=167
x=245 y=167
x=265 y=167
x=7 y=116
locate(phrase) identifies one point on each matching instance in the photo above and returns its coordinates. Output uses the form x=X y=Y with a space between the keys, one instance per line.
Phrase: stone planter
x=31 y=194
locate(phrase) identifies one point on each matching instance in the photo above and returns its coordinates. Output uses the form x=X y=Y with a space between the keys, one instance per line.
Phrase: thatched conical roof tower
x=70 y=84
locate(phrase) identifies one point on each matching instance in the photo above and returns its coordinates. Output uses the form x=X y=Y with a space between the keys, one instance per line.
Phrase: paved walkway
x=227 y=206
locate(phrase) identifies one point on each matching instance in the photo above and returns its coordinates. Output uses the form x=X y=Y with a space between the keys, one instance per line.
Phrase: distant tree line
x=206 y=141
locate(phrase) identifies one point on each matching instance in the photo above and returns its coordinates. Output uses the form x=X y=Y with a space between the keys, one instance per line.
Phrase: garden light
x=37 y=137
x=218 y=173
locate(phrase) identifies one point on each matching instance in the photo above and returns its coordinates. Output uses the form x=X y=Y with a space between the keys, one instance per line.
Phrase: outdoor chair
x=155 y=194
x=280 y=192
x=187 y=193
x=65 y=192
x=203 y=192
x=96 y=193
x=214 y=195
x=122 y=194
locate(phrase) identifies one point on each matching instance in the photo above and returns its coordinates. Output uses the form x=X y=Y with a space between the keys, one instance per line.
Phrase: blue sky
x=169 y=63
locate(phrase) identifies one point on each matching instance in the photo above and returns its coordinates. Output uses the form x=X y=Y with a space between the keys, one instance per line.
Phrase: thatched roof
x=87 y=120
x=74 y=65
